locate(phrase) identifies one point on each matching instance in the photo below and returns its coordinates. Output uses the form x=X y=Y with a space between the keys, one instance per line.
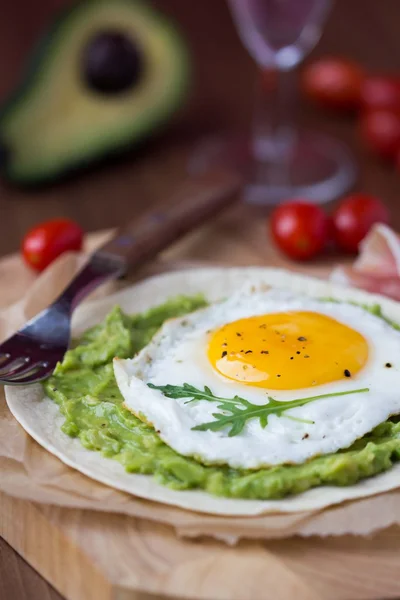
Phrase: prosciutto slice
x=377 y=268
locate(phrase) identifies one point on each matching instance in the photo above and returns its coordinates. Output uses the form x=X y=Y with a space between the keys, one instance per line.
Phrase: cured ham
x=377 y=268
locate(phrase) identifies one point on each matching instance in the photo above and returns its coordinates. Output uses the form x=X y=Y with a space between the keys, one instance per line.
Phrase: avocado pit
x=112 y=63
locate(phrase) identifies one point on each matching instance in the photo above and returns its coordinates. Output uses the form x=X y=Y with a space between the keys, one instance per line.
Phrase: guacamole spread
x=84 y=387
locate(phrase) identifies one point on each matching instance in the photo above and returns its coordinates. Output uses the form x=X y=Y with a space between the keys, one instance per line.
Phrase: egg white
x=178 y=354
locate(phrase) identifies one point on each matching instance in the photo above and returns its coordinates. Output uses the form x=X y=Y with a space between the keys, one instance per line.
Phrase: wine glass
x=284 y=162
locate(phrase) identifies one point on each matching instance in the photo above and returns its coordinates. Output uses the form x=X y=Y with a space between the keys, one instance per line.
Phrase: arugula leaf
x=240 y=410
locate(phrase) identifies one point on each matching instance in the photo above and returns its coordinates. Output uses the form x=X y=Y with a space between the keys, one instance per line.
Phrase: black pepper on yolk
x=287 y=351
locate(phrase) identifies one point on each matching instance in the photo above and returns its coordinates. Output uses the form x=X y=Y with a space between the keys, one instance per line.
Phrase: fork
x=32 y=353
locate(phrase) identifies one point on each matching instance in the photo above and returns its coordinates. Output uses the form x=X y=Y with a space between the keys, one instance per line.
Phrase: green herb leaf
x=237 y=411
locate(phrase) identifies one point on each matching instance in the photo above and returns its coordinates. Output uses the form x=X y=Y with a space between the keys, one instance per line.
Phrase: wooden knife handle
x=194 y=203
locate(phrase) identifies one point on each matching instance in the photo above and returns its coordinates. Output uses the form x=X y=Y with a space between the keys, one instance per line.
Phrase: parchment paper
x=28 y=472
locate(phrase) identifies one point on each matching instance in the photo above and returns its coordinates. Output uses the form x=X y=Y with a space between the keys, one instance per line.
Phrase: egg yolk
x=287 y=351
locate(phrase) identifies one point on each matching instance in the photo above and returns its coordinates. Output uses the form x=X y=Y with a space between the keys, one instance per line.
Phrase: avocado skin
x=4 y=155
x=28 y=81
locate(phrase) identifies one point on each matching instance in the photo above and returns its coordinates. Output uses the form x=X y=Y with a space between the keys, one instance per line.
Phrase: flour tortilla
x=41 y=418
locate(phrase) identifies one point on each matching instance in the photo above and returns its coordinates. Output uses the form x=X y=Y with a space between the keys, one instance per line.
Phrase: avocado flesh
x=57 y=122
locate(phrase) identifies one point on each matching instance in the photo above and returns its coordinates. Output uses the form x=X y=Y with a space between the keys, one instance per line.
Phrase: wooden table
x=365 y=30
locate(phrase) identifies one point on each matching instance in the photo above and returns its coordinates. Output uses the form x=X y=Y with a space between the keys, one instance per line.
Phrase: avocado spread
x=84 y=387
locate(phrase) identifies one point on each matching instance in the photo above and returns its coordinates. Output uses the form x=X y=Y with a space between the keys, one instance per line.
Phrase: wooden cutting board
x=88 y=555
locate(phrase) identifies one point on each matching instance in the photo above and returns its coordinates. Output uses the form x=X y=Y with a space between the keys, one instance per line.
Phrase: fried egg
x=262 y=344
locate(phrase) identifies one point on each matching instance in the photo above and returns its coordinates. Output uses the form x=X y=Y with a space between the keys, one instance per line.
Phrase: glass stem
x=274 y=134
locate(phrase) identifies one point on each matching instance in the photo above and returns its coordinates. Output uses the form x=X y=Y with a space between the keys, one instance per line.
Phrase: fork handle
x=195 y=202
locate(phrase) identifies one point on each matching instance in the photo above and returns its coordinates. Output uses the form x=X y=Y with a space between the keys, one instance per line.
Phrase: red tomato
x=354 y=217
x=333 y=82
x=380 y=93
x=42 y=244
x=299 y=229
x=380 y=130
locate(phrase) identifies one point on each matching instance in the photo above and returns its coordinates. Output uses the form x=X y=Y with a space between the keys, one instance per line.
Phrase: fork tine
x=5 y=357
x=14 y=366
x=7 y=360
x=28 y=379
x=29 y=370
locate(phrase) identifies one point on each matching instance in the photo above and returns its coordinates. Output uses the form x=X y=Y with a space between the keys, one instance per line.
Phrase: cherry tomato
x=299 y=229
x=380 y=93
x=333 y=82
x=354 y=217
x=45 y=242
x=380 y=131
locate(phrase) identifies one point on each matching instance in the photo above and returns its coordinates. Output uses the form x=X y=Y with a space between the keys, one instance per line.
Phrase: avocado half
x=106 y=74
